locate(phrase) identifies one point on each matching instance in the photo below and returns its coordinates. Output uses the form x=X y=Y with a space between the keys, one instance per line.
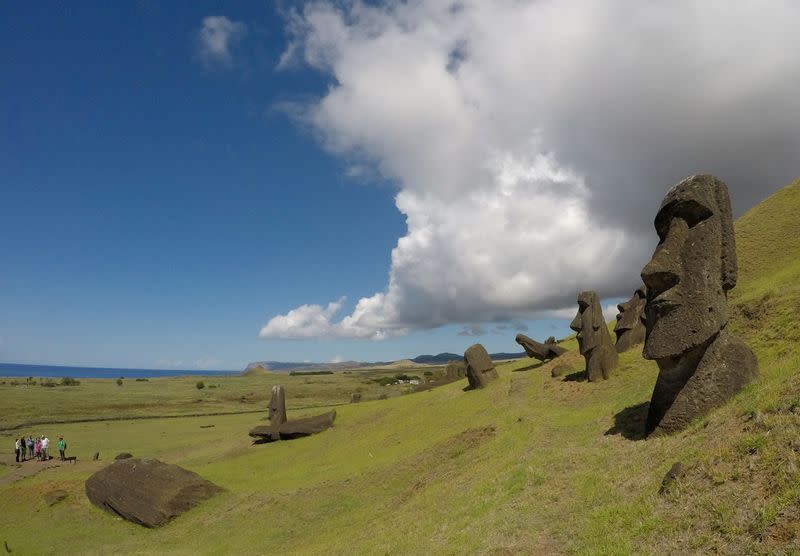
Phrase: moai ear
x=728 y=247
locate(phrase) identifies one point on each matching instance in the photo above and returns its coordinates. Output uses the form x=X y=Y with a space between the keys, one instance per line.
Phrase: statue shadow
x=529 y=367
x=577 y=376
x=631 y=421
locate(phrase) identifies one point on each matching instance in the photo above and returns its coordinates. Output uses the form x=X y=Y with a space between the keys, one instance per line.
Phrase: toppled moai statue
x=594 y=340
x=277 y=406
x=542 y=352
x=701 y=364
x=630 y=329
x=455 y=370
x=480 y=369
x=147 y=491
x=280 y=428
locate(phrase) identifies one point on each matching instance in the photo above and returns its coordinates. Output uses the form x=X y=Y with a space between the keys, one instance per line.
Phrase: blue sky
x=178 y=182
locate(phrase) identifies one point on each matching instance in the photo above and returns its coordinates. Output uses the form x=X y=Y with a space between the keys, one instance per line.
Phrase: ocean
x=57 y=371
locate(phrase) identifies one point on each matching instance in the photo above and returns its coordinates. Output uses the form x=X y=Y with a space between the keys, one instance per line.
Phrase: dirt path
x=31 y=467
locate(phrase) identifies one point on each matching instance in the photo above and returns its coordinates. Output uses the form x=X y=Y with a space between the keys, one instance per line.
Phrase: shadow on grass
x=529 y=367
x=630 y=422
x=577 y=376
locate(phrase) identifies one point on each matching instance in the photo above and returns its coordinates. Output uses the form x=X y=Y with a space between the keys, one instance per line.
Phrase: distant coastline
x=58 y=371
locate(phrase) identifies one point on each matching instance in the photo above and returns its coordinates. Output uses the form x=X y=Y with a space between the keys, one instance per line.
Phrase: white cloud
x=216 y=38
x=532 y=141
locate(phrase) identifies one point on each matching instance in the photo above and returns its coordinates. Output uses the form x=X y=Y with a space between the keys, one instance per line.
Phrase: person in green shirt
x=62 y=447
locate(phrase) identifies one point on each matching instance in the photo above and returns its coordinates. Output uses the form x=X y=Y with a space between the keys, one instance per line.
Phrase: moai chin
x=630 y=329
x=701 y=364
x=594 y=340
x=480 y=369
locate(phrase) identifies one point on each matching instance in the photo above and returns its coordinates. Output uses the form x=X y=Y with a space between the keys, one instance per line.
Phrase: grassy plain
x=530 y=465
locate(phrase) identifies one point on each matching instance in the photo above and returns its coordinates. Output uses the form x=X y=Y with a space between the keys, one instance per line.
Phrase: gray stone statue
x=277 y=406
x=701 y=364
x=542 y=352
x=593 y=337
x=480 y=369
x=630 y=329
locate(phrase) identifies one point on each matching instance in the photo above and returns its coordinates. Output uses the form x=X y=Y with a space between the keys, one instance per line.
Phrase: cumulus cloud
x=217 y=37
x=531 y=142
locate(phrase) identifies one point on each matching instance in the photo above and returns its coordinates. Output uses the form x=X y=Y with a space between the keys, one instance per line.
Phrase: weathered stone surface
x=123 y=455
x=550 y=340
x=147 y=491
x=455 y=370
x=594 y=340
x=630 y=329
x=675 y=473
x=96 y=456
x=355 y=397
x=277 y=406
x=293 y=429
x=54 y=497
x=701 y=364
x=479 y=366
x=542 y=352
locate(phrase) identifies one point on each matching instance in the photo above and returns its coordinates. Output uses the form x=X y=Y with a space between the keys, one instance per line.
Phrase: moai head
x=630 y=318
x=692 y=268
x=479 y=366
x=589 y=323
x=277 y=406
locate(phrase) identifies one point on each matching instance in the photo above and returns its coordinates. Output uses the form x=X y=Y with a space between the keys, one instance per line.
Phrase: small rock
x=96 y=456
x=675 y=472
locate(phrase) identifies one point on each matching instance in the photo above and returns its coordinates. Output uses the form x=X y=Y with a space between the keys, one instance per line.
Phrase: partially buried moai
x=277 y=406
x=630 y=329
x=701 y=364
x=593 y=337
x=480 y=369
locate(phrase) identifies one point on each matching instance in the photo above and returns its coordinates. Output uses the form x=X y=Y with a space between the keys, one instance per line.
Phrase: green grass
x=530 y=465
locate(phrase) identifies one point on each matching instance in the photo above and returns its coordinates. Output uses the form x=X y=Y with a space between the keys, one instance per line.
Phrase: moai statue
x=701 y=364
x=630 y=328
x=455 y=370
x=542 y=352
x=480 y=369
x=594 y=340
x=277 y=406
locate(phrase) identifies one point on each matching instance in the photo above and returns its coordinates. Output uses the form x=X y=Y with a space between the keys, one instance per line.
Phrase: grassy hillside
x=531 y=464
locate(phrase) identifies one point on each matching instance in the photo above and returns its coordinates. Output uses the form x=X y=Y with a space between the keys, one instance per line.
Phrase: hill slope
x=530 y=465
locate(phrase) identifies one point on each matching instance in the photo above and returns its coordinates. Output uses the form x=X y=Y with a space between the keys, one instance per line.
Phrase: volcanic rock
x=480 y=369
x=147 y=491
x=701 y=364
x=293 y=429
x=542 y=352
x=594 y=340
x=630 y=328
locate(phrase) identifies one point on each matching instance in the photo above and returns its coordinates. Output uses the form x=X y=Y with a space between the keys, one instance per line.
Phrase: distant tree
x=119 y=381
x=200 y=384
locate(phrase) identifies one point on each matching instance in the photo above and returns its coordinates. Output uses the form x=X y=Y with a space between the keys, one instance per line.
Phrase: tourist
x=38 y=449
x=45 y=448
x=30 y=446
x=16 y=450
x=62 y=447
x=22 y=448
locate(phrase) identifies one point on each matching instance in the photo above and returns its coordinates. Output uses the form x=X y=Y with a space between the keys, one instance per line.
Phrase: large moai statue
x=277 y=406
x=701 y=364
x=541 y=352
x=480 y=369
x=594 y=340
x=630 y=329
x=455 y=370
